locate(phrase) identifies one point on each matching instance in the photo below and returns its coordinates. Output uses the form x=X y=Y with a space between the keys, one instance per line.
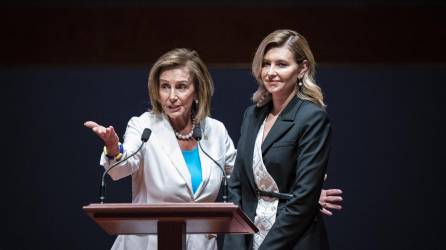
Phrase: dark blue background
x=387 y=151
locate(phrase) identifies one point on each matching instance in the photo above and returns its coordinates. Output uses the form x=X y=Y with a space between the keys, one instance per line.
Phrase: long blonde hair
x=298 y=45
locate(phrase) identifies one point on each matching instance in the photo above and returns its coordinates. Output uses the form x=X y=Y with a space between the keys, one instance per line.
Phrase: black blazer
x=295 y=153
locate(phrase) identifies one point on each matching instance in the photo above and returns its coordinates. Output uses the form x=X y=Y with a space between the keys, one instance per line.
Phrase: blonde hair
x=298 y=45
x=203 y=83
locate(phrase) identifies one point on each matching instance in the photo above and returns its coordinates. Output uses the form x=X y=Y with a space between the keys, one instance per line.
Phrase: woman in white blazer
x=170 y=167
x=180 y=90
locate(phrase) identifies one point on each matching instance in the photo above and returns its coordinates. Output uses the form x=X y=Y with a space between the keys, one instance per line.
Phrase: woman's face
x=280 y=71
x=177 y=92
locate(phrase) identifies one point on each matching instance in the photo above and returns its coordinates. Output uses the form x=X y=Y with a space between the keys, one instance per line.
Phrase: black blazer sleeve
x=234 y=181
x=232 y=241
x=296 y=216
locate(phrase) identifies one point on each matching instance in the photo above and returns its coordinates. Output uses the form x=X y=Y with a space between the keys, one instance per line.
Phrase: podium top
x=132 y=218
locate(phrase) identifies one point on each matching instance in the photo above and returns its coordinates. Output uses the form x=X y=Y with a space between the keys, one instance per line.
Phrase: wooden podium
x=171 y=221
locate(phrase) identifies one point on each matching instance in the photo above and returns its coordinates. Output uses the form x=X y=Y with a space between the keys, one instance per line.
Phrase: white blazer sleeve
x=132 y=141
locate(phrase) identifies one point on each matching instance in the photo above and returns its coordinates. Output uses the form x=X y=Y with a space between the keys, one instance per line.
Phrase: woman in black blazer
x=283 y=150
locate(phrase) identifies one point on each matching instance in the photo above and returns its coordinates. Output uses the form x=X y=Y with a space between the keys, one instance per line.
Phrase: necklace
x=187 y=136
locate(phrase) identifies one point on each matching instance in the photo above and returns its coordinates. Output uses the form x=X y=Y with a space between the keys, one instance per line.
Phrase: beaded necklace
x=187 y=136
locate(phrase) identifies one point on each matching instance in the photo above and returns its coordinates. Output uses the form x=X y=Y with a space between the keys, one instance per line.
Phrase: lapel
x=283 y=123
x=169 y=144
x=251 y=130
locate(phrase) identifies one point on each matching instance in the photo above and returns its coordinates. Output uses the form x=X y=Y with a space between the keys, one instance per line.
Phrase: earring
x=300 y=83
x=196 y=101
x=264 y=98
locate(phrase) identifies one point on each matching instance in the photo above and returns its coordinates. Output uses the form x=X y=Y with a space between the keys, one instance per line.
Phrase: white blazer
x=159 y=172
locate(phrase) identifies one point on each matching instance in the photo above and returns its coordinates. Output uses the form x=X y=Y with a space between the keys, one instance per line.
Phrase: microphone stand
x=102 y=188
x=144 y=138
x=225 y=177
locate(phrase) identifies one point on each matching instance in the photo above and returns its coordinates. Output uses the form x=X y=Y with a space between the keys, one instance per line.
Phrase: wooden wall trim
x=221 y=35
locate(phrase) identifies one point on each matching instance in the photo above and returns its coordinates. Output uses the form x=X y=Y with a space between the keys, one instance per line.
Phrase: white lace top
x=267 y=206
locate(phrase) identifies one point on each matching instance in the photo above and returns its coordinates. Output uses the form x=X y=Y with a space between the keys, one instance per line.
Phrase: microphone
x=197 y=135
x=144 y=138
x=146 y=134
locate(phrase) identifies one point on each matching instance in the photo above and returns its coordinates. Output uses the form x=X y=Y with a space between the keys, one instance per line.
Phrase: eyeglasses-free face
x=280 y=72
x=177 y=92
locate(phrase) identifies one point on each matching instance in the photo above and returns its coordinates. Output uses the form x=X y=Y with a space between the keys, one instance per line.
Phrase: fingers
x=334 y=206
x=96 y=128
x=329 y=192
x=101 y=131
x=108 y=135
x=326 y=206
x=110 y=131
x=90 y=124
x=105 y=133
x=326 y=212
x=332 y=199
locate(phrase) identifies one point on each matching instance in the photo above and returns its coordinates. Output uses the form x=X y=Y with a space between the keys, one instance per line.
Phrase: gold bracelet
x=116 y=157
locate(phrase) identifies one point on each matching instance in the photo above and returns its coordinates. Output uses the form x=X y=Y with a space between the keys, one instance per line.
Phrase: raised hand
x=107 y=134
